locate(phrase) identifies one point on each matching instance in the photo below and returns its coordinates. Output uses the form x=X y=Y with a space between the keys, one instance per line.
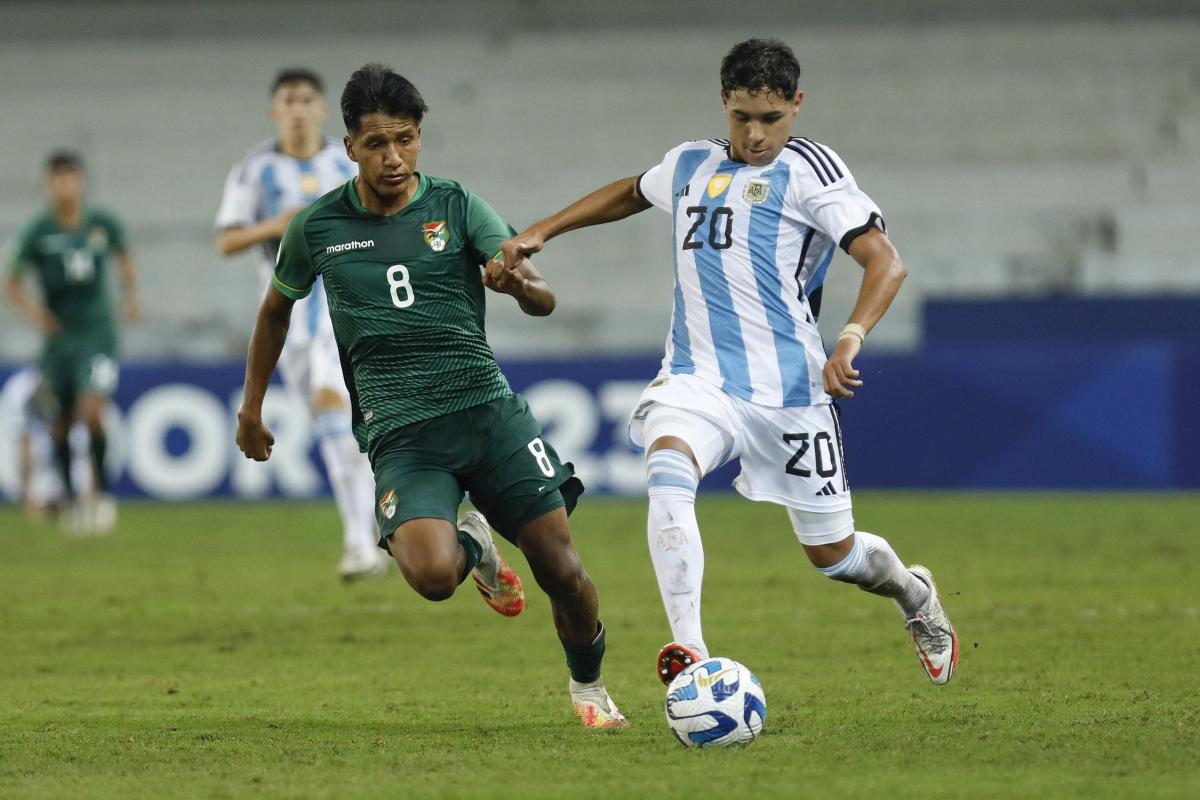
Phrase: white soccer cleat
x=357 y=565
x=103 y=514
x=594 y=707
x=494 y=578
x=932 y=634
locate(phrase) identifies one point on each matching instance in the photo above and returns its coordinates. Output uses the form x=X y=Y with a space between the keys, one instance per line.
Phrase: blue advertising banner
x=974 y=416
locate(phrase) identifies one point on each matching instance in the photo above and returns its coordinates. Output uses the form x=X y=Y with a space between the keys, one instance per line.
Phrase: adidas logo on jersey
x=338 y=248
x=827 y=490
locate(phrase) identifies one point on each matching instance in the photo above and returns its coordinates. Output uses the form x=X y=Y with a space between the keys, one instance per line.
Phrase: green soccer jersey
x=406 y=298
x=72 y=267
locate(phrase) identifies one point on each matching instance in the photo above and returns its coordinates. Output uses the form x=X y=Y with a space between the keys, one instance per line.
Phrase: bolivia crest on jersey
x=387 y=505
x=756 y=190
x=97 y=238
x=436 y=235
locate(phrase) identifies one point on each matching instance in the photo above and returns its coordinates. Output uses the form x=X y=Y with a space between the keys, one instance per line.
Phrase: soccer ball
x=716 y=702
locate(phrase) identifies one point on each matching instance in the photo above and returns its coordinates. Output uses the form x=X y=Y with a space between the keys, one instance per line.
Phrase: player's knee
x=435 y=583
x=828 y=539
x=558 y=570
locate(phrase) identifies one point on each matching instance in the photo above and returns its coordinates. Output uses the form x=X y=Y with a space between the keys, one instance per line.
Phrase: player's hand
x=841 y=378
x=520 y=247
x=254 y=438
x=500 y=278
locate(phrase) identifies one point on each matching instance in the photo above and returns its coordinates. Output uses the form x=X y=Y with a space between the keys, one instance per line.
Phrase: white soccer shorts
x=789 y=456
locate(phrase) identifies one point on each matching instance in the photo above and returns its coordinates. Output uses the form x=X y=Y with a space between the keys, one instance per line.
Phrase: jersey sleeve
x=829 y=197
x=655 y=183
x=239 y=201
x=486 y=230
x=117 y=242
x=294 y=273
x=18 y=253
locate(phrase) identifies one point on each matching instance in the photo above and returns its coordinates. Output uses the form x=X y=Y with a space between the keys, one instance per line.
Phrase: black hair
x=297 y=75
x=761 y=65
x=64 y=160
x=377 y=88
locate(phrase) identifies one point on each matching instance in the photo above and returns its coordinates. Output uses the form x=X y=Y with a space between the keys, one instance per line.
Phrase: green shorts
x=70 y=374
x=493 y=451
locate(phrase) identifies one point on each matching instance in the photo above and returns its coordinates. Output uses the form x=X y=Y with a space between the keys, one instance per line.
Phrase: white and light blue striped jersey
x=267 y=182
x=751 y=248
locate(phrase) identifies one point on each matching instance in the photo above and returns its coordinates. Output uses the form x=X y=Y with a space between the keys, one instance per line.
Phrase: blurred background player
x=756 y=220
x=68 y=247
x=26 y=413
x=262 y=193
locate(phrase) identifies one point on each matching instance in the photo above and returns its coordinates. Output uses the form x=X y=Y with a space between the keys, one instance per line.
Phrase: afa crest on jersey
x=756 y=190
x=436 y=235
x=387 y=505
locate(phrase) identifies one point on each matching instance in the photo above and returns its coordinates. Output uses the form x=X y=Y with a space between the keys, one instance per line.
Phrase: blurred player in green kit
x=68 y=248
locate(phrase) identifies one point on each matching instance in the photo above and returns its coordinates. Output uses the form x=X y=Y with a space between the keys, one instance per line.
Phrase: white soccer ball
x=716 y=702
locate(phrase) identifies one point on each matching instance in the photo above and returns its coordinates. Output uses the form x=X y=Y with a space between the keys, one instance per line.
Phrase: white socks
x=874 y=567
x=351 y=479
x=675 y=547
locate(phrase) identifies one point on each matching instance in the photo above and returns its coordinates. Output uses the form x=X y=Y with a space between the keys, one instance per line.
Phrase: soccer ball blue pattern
x=716 y=703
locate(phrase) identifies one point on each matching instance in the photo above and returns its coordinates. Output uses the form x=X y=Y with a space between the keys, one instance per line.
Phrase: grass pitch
x=208 y=651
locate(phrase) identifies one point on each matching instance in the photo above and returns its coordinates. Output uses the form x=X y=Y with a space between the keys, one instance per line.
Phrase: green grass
x=207 y=651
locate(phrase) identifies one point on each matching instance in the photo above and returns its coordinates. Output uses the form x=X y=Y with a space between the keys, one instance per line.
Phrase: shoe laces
x=934 y=639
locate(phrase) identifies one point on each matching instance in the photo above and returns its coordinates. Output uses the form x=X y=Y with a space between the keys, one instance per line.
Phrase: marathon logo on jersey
x=756 y=190
x=344 y=246
x=718 y=183
x=436 y=235
x=387 y=505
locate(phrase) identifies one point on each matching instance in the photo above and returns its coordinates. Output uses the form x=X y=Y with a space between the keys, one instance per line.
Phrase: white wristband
x=855 y=330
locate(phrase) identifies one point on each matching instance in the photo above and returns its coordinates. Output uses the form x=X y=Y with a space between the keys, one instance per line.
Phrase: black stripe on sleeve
x=819 y=173
x=821 y=158
x=637 y=187
x=824 y=151
x=873 y=222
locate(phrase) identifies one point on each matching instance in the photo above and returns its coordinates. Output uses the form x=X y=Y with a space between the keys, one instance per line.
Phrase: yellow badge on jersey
x=310 y=185
x=436 y=235
x=718 y=183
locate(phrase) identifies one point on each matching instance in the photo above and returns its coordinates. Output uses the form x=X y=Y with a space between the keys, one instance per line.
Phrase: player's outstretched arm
x=270 y=330
x=237 y=238
x=39 y=314
x=524 y=282
x=130 y=300
x=883 y=272
x=617 y=200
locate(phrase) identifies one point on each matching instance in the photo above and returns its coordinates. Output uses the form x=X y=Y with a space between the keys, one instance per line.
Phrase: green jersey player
x=68 y=248
x=400 y=256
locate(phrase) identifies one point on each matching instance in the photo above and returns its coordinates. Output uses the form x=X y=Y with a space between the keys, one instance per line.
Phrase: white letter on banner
x=289 y=466
x=194 y=473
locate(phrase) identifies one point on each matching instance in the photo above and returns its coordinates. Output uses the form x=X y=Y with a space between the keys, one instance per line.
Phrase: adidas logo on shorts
x=827 y=490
